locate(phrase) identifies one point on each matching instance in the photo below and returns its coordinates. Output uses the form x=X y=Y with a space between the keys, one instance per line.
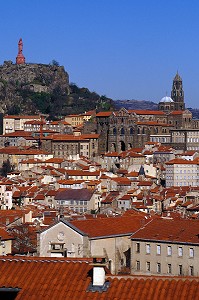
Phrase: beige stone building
x=182 y=172
x=74 y=120
x=185 y=139
x=13 y=123
x=108 y=237
x=71 y=146
x=5 y=242
x=166 y=247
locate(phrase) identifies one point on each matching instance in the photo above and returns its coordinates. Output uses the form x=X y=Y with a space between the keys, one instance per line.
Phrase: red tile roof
x=184 y=231
x=21 y=117
x=4 y=235
x=64 y=137
x=65 y=278
x=112 y=154
x=177 y=112
x=55 y=160
x=104 y=114
x=110 y=226
x=180 y=161
x=145 y=183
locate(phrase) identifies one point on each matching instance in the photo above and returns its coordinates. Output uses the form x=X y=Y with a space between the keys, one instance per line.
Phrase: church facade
x=127 y=129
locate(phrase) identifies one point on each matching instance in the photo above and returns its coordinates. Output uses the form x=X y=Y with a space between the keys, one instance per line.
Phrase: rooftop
x=64 y=278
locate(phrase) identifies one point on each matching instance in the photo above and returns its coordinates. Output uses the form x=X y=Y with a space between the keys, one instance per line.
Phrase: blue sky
x=124 y=49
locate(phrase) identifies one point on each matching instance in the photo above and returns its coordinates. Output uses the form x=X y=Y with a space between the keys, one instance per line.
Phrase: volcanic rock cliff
x=26 y=88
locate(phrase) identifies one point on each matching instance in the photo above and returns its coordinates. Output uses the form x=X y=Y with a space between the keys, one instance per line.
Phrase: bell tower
x=20 y=59
x=177 y=93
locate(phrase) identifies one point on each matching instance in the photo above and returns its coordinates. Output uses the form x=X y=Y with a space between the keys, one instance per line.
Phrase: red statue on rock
x=20 y=59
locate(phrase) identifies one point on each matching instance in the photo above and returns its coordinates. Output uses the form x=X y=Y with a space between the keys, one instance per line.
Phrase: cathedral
x=125 y=129
x=176 y=101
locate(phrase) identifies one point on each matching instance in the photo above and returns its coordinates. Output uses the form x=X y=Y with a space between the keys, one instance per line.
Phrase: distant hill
x=144 y=104
x=135 y=104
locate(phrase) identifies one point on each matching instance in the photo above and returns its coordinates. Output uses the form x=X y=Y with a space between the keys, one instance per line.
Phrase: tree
x=6 y=168
x=55 y=63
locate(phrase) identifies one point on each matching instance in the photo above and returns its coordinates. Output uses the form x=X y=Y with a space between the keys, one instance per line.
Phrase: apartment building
x=166 y=247
x=182 y=172
x=185 y=139
x=69 y=146
x=13 y=123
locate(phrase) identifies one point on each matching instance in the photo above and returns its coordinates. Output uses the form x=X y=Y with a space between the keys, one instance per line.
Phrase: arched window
x=114 y=131
x=122 y=131
x=131 y=131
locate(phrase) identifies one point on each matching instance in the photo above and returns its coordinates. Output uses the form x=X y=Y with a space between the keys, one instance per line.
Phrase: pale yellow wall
x=114 y=248
x=70 y=237
x=164 y=258
x=7 y=249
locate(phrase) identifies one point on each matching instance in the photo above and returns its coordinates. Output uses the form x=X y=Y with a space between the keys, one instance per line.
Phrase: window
x=137 y=246
x=169 y=250
x=148 y=267
x=158 y=249
x=137 y=265
x=169 y=269
x=122 y=131
x=158 y=267
x=180 y=251
x=191 y=271
x=191 y=252
x=180 y=269
x=131 y=131
x=148 y=248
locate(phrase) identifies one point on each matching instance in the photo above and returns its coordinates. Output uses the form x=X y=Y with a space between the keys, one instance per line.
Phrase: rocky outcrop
x=21 y=84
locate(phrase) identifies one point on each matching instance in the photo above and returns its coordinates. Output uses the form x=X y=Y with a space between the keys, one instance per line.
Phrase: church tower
x=20 y=59
x=177 y=93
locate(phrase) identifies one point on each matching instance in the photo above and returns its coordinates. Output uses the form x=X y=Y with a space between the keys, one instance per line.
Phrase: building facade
x=166 y=247
x=126 y=129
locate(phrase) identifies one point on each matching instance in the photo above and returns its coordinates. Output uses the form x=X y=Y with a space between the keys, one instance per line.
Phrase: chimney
x=98 y=271
x=99 y=283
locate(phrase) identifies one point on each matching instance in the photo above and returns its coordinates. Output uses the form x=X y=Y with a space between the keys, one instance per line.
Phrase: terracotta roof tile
x=110 y=226
x=180 y=161
x=180 y=230
x=104 y=114
x=177 y=112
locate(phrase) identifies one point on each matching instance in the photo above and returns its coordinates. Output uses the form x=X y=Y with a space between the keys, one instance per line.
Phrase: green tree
x=55 y=63
x=6 y=168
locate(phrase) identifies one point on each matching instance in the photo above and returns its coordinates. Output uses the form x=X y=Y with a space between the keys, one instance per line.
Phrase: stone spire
x=20 y=59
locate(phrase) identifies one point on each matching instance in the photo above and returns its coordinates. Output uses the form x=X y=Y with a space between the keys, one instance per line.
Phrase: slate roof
x=63 y=278
x=74 y=194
